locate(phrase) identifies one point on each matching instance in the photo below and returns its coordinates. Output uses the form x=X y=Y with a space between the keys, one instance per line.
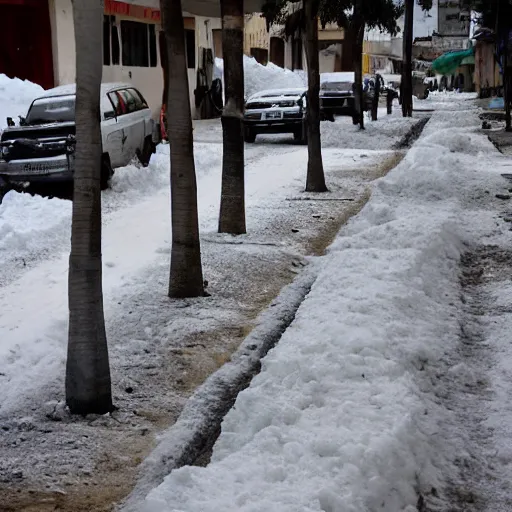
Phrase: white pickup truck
x=41 y=149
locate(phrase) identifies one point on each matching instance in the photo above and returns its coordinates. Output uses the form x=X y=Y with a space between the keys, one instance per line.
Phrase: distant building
x=454 y=19
x=488 y=76
x=271 y=45
x=443 y=28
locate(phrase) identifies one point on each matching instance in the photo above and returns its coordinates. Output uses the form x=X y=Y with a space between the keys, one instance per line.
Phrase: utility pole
x=407 y=67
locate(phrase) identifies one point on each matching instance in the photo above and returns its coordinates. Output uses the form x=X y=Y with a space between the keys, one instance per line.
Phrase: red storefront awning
x=132 y=10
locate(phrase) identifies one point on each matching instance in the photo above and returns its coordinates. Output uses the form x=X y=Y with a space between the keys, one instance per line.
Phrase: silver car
x=41 y=149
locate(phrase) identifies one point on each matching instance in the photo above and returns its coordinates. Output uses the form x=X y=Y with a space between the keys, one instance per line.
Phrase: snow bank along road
x=160 y=351
x=370 y=399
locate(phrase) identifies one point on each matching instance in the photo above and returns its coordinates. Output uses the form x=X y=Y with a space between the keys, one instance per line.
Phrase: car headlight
x=287 y=103
x=4 y=152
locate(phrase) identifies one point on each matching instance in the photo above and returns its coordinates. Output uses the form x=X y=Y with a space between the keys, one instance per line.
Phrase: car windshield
x=59 y=109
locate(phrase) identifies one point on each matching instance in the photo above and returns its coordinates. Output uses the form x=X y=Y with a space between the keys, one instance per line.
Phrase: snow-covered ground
x=159 y=350
x=360 y=405
x=447 y=100
x=33 y=228
x=32 y=352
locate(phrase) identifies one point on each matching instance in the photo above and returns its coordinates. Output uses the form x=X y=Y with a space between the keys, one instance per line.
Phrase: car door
x=113 y=130
x=146 y=115
x=129 y=121
x=142 y=113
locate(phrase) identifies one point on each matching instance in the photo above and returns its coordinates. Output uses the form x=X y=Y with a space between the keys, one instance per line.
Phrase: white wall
x=425 y=23
x=63 y=40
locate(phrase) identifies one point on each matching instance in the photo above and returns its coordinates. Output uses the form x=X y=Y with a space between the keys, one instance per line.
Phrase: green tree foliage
x=426 y=5
x=382 y=14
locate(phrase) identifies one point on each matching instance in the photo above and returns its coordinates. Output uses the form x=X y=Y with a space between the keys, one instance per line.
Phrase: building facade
x=37 y=43
x=271 y=45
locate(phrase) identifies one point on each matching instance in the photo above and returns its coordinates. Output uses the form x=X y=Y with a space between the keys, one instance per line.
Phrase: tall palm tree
x=232 y=203
x=406 y=92
x=359 y=26
x=88 y=387
x=315 y=181
x=186 y=276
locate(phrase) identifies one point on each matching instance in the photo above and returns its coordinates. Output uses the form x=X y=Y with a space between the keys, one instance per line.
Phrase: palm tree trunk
x=315 y=181
x=347 y=49
x=186 y=276
x=232 y=201
x=88 y=386
x=506 y=80
x=406 y=91
x=358 y=69
x=376 y=98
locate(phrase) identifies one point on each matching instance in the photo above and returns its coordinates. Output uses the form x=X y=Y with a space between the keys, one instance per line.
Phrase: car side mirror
x=23 y=121
x=10 y=122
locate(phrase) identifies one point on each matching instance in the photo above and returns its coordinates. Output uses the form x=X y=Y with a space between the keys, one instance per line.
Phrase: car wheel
x=148 y=149
x=249 y=135
x=106 y=172
x=4 y=188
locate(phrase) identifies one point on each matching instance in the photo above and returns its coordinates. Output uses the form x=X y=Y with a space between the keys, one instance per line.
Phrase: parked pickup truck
x=41 y=150
x=337 y=94
x=276 y=111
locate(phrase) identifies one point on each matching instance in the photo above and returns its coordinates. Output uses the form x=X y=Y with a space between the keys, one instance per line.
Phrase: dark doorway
x=297 y=54
x=277 y=51
x=26 y=41
x=217 y=42
x=261 y=55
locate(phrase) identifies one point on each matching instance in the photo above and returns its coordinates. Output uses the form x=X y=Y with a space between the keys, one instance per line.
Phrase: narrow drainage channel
x=272 y=337
x=190 y=440
x=413 y=134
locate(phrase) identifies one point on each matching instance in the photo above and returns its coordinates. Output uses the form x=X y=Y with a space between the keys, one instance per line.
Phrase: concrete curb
x=199 y=424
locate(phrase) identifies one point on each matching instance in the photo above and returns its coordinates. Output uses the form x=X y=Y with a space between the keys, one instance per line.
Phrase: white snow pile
x=446 y=100
x=15 y=97
x=378 y=135
x=345 y=415
x=260 y=78
x=30 y=224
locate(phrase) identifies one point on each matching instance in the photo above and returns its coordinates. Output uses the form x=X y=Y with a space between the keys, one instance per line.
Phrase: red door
x=26 y=41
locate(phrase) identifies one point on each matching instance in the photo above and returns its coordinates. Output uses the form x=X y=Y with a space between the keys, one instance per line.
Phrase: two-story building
x=37 y=43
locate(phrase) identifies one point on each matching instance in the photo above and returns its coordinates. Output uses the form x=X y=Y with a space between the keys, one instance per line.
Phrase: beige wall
x=148 y=80
x=331 y=32
x=255 y=33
